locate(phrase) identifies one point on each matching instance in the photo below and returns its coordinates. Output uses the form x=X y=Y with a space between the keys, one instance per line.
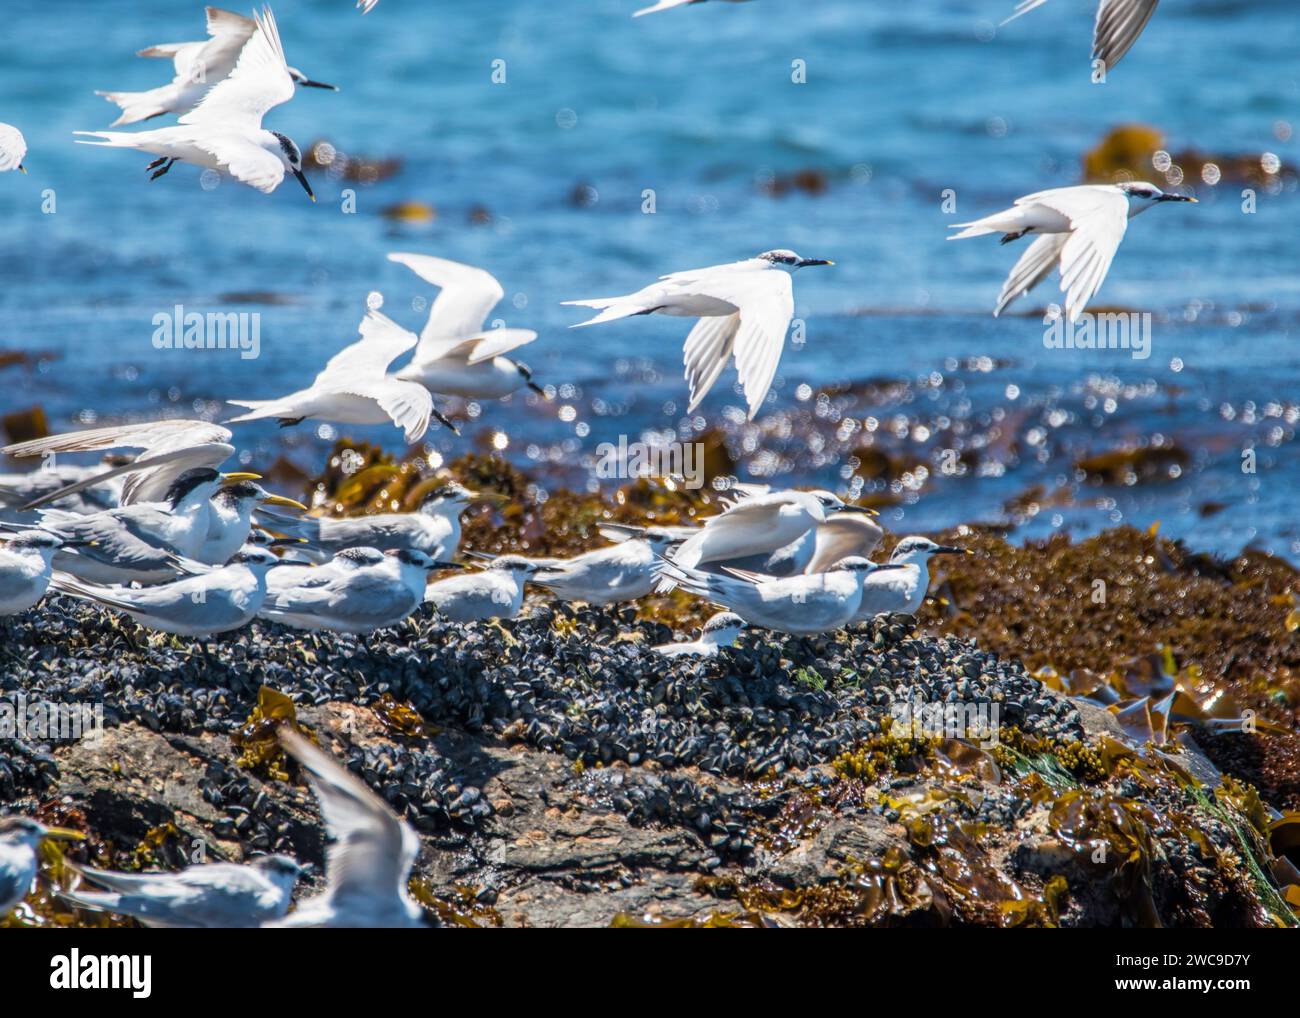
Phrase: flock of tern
x=158 y=533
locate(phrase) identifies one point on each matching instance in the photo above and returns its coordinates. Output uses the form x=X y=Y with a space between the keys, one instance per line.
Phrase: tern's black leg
x=158 y=173
x=289 y=422
x=156 y=163
x=1007 y=238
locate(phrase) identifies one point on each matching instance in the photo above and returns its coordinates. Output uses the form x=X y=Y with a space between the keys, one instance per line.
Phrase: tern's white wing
x=409 y=404
x=467 y=296
x=259 y=82
x=1119 y=23
x=1098 y=219
x=246 y=162
x=707 y=349
x=1035 y=265
x=213 y=59
x=382 y=341
x=13 y=147
x=840 y=536
x=371 y=850
x=168 y=449
x=766 y=302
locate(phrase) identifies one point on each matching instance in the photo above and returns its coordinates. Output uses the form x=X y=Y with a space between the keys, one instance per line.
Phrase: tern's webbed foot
x=167 y=165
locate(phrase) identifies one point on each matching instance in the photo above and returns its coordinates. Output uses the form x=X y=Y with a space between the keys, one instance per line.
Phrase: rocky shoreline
x=1022 y=753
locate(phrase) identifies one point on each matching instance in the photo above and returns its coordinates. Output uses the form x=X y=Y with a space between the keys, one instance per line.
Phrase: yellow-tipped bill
x=281 y=500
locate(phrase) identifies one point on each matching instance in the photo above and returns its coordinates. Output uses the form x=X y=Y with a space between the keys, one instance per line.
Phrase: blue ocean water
x=542 y=179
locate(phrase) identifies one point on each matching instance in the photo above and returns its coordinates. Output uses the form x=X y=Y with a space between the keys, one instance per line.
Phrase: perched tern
x=231 y=518
x=358 y=591
x=139 y=542
x=369 y=854
x=434 y=528
x=744 y=310
x=456 y=355
x=1081 y=230
x=496 y=592
x=212 y=602
x=25 y=561
x=757 y=525
x=353 y=388
x=903 y=586
x=13 y=147
x=166 y=450
x=720 y=631
x=664 y=5
x=801 y=605
x=20 y=837
x=208 y=896
x=624 y=571
x=224 y=131
x=199 y=66
x=1119 y=23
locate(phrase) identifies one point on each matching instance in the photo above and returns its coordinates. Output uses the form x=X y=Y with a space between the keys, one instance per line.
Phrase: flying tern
x=903 y=586
x=354 y=389
x=496 y=592
x=434 y=527
x=1081 y=229
x=25 y=565
x=623 y=571
x=13 y=147
x=801 y=605
x=224 y=131
x=840 y=536
x=216 y=601
x=369 y=854
x=20 y=837
x=720 y=631
x=166 y=450
x=199 y=66
x=1119 y=23
x=208 y=896
x=359 y=590
x=744 y=310
x=456 y=355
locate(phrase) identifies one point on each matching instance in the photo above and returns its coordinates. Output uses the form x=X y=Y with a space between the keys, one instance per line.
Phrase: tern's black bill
x=803 y=262
x=1177 y=197
x=949 y=549
x=302 y=179
x=445 y=422
x=318 y=84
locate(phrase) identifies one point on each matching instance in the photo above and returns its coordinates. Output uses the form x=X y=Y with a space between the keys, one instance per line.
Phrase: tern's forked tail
x=138 y=106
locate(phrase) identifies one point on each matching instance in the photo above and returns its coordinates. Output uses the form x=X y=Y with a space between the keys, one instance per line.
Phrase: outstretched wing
x=1119 y=23
x=466 y=297
x=766 y=302
x=370 y=850
x=1035 y=265
x=259 y=82
x=382 y=341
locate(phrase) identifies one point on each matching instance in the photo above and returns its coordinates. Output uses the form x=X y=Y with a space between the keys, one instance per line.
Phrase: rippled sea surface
x=542 y=179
